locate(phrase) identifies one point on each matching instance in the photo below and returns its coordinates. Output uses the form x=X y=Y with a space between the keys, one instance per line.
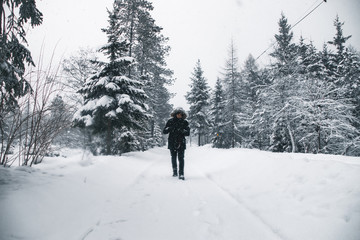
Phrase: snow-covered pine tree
x=351 y=78
x=14 y=59
x=149 y=47
x=321 y=114
x=114 y=102
x=251 y=83
x=217 y=103
x=150 y=53
x=339 y=39
x=262 y=114
x=75 y=71
x=160 y=108
x=327 y=120
x=283 y=89
x=233 y=106
x=14 y=56
x=60 y=122
x=346 y=73
x=311 y=71
x=198 y=98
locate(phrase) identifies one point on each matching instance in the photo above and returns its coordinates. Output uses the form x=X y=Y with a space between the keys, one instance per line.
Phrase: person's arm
x=186 y=129
x=167 y=127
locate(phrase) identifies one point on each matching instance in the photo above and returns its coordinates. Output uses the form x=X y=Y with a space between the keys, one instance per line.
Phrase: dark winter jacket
x=177 y=128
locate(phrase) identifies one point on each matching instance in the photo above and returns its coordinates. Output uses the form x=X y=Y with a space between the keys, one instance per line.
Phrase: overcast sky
x=198 y=29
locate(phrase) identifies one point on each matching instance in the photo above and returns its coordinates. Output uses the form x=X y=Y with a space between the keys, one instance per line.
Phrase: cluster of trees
x=28 y=118
x=31 y=114
x=306 y=100
x=120 y=102
x=125 y=99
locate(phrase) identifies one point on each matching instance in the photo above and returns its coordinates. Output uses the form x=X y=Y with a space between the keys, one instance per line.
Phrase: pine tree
x=283 y=89
x=251 y=83
x=322 y=114
x=149 y=47
x=217 y=115
x=14 y=56
x=198 y=98
x=285 y=51
x=262 y=115
x=339 y=39
x=327 y=120
x=233 y=93
x=346 y=73
x=14 y=59
x=114 y=102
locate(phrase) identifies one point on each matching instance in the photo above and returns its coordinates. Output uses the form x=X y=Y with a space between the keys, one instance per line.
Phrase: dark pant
x=180 y=155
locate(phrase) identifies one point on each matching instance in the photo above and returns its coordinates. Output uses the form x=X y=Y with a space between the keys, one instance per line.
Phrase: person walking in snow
x=177 y=128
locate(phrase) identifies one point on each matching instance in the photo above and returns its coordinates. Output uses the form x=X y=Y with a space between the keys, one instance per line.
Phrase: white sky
x=198 y=29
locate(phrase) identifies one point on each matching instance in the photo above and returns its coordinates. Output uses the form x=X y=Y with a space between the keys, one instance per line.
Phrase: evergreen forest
x=115 y=99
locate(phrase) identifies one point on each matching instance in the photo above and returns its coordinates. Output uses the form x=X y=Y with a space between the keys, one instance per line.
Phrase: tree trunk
x=319 y=139
x=293 y=146
x=199 y=139
x=2 y=17
x=108 y=138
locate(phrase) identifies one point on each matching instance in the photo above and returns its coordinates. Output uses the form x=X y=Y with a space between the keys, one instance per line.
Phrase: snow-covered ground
x=228 y=194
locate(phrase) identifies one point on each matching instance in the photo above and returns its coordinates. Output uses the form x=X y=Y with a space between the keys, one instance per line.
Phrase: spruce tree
x=198 y=98
x=149 y=47
x=233 y=105
x=251 y=83
x=327 y=121
x=339 y=39
x=114 y=102
x=346 y=73
x=285 y=50
x=14 y=56
x=14 y=59
x=217 y=115
x=283 y=89
x=263 y=113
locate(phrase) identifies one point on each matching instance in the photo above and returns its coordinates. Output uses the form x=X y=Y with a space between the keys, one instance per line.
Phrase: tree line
x=125 y=100
x=306 y=100
x=110 y=106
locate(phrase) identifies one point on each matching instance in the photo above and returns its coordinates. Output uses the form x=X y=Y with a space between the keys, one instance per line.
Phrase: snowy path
x=158 y=206
x=228 y=194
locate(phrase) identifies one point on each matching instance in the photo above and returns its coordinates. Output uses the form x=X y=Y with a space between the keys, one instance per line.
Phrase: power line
x=294 y=26
x=308 y=14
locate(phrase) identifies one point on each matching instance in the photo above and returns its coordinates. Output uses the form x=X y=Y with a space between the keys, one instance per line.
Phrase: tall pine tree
x=14 y=56
x=346 y=70
x=149 y=47
x=14 y=59
x=114 y=102
x=283 y=88
x=233 y=105
x=217 y=115
x=198 y=98
x=251 y=83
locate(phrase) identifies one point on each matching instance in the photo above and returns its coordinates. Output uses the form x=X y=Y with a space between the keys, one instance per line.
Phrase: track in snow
x=228 y=194
x=159 y=206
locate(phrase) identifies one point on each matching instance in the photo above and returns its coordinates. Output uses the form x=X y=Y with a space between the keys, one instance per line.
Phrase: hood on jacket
x=178 y=110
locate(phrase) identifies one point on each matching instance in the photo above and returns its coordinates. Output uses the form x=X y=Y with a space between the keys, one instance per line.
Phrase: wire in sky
x=322 y=1
x=308 y=14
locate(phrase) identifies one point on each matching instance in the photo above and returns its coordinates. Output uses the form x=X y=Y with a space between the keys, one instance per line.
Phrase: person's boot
x=175 y=173
x=181 y=176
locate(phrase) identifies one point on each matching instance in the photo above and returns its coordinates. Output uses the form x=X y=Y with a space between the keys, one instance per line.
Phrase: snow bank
x=228 y=194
